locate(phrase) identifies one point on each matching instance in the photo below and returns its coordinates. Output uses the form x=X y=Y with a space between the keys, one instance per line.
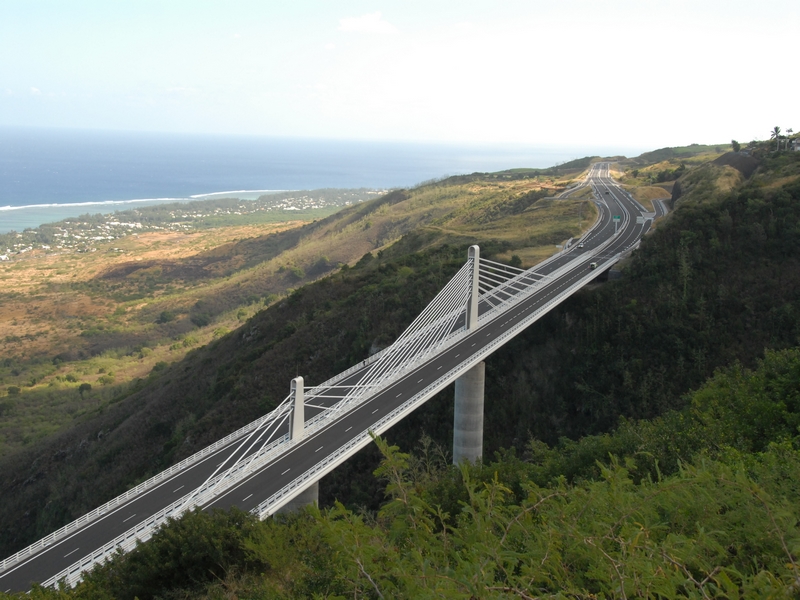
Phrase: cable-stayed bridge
x=278 y=458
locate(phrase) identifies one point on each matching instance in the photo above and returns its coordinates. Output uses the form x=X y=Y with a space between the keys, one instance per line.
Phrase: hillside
x=118 y=432
x=716 y=284
x=635 y=523
x=107 y=318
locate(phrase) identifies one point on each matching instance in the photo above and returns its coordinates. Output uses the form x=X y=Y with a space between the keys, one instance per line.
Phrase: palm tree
x=789 y=133
x=776 y=135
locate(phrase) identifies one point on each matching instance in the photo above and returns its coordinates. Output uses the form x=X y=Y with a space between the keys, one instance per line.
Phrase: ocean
x=50 y=174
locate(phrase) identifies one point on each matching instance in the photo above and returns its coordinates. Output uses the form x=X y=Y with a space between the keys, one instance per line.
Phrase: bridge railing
x=126 y=496
x=144 y=530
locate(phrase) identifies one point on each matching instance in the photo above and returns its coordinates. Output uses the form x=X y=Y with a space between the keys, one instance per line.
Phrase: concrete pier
x=308 y=496
x=468 y=415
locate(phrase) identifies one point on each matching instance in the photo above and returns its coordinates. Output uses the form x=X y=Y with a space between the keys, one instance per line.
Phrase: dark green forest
x=610 y=476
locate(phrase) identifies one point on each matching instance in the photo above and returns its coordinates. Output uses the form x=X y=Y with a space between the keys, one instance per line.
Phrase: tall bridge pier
x=468 y=411
x=468 y=415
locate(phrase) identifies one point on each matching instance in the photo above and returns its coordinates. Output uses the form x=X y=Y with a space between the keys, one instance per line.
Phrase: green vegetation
x=611 y=477
x=609 y=516
x=679 y=152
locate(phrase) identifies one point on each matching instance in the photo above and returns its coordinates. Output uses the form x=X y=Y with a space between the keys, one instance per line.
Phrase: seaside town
x=86 y=232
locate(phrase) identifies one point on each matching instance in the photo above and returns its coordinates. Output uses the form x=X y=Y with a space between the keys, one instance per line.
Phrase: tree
x=789 y=133
x=776 y=135
x=736 y=145
x=84 y=387
x=165 y=317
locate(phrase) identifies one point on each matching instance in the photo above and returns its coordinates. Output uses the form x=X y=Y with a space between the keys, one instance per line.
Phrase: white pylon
x=298 y=415
x=474 y=254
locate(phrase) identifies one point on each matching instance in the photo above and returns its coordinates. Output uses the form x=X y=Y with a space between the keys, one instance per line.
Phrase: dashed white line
x=398 y=395
x=129 y=518
x=245 y=500
x=180 y=488
x=376 y=410
x=318 y=449
x=348 y=429
x=420 y=381
x=286 y=471
x=439 y=367
x=73 y=552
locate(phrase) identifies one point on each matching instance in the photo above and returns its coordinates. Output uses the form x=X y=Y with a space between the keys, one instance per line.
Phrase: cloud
x=371 y=23
x=36 y=91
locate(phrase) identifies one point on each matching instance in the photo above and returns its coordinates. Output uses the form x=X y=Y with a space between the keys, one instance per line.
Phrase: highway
x=324 y=445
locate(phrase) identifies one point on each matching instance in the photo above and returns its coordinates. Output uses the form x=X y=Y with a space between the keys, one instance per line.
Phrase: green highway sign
x=616 y=217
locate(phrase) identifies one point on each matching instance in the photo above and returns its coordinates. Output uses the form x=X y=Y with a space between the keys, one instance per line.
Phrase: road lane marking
x=376 y=410
x=439 y=367
x=420 y=381
x=348 y=429
x=398 y=395
x=245 y=500
x=475 y=343
x=180 y=488
x=457 y=355
x=73 y=552
x=286 y=471
x=129 y=518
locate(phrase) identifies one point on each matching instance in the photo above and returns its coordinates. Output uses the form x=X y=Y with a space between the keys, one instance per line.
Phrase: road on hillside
x=574 y=262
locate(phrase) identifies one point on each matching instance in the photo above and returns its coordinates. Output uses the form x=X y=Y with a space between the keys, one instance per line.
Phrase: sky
x=644 y=73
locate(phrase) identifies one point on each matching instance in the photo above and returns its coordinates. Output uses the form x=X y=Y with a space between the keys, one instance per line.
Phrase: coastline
x=19 y=218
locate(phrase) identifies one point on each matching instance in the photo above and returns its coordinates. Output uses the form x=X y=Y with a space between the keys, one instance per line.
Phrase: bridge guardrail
x=124 y=497
x=143 y=531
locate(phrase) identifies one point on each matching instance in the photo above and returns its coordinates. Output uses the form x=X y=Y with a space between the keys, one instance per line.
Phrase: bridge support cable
x=500 y=283
x=422 y=338
x=240 y=466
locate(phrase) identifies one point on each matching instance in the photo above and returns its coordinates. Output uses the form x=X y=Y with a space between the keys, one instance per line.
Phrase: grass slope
x=107 y=318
